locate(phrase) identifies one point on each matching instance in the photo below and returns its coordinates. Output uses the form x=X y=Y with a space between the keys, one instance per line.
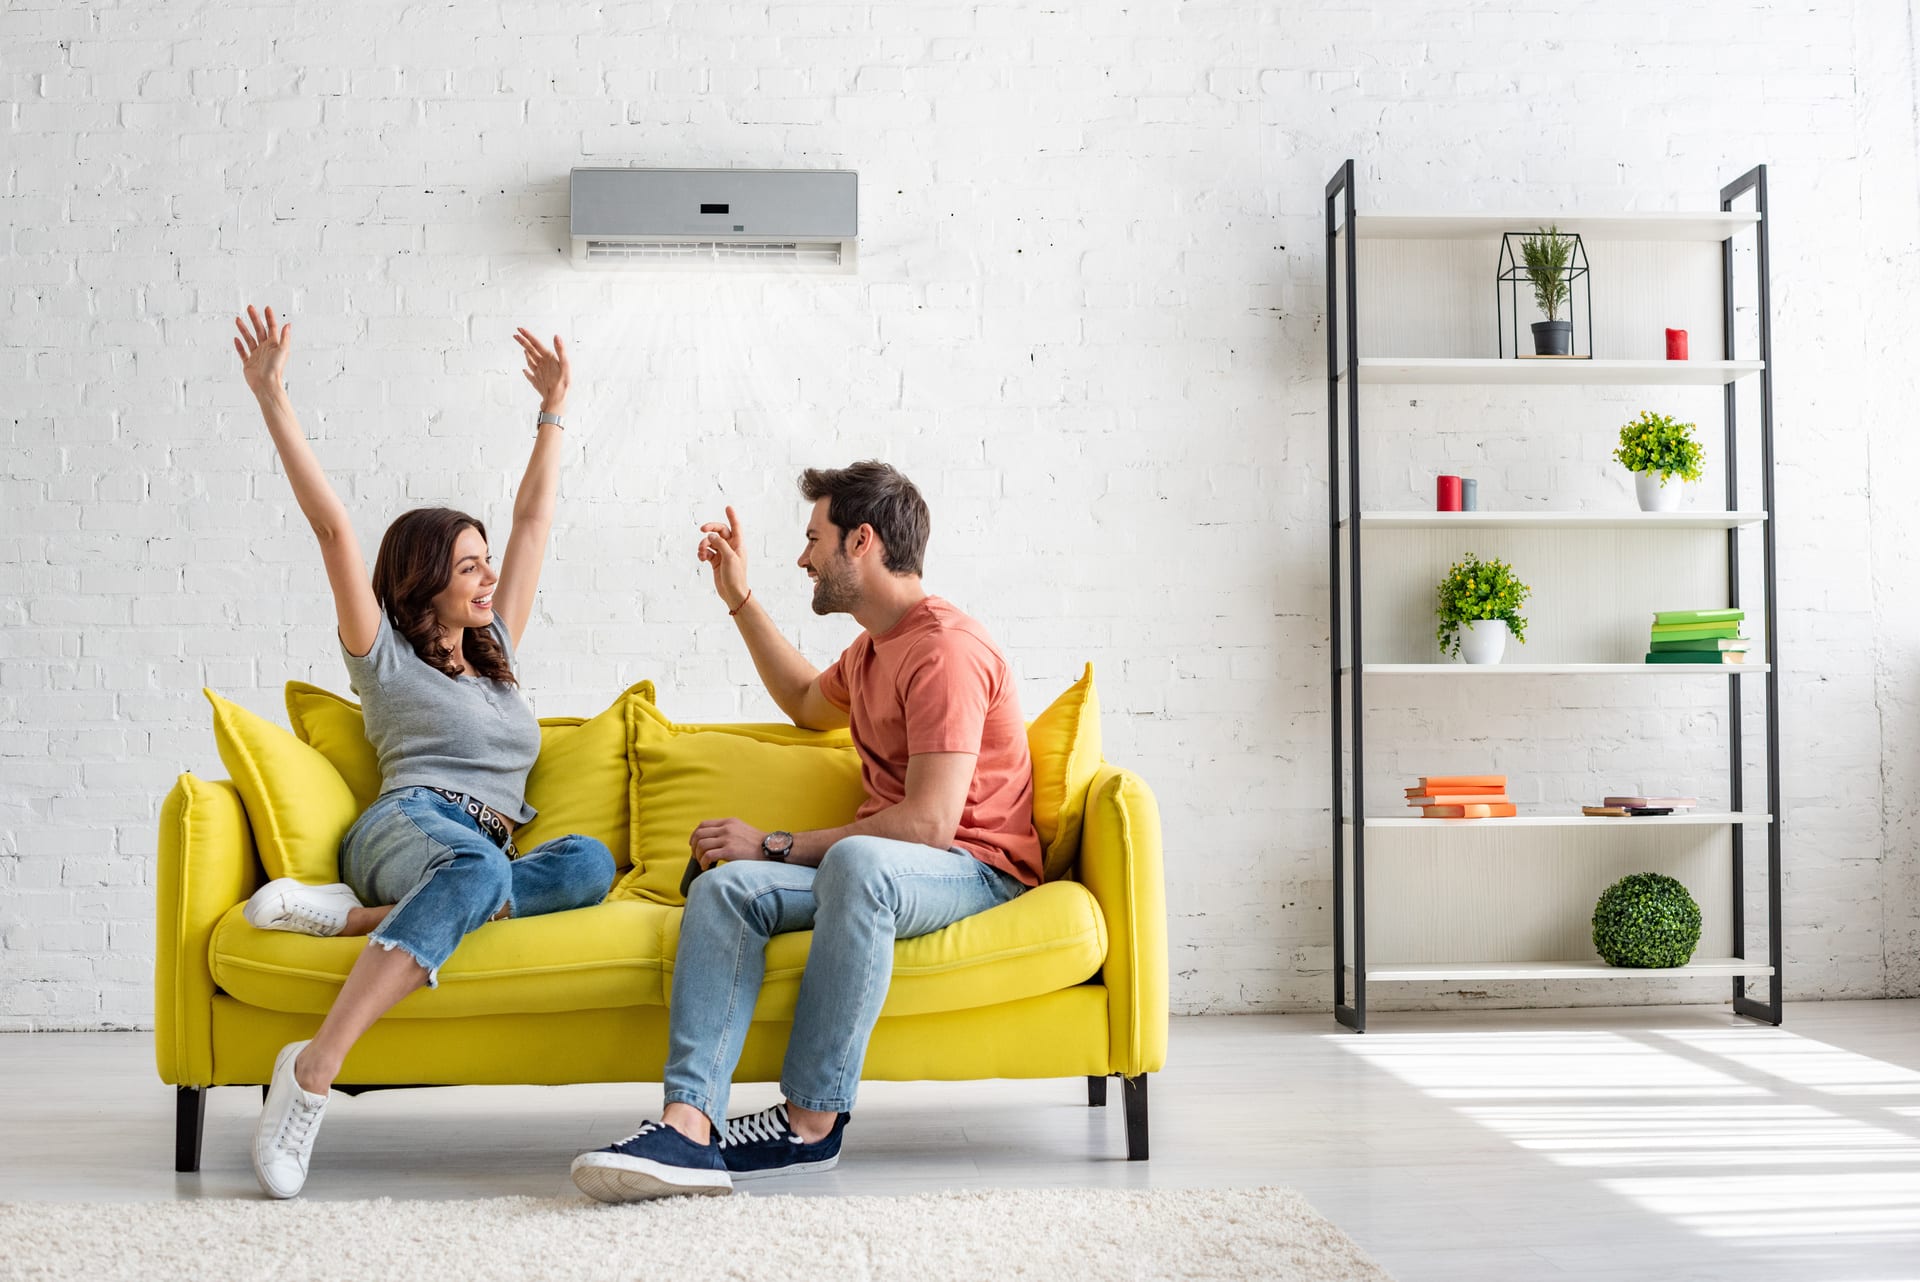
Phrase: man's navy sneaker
x=654 y=1161
x=764 y=1143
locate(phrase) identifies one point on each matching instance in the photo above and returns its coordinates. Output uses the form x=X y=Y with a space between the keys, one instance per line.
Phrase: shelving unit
x=1521 y=905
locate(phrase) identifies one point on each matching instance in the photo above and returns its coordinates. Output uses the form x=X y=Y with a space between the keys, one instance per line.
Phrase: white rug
x=1050 y=1234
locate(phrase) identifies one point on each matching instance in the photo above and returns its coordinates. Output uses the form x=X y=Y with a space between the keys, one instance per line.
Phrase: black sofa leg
x=1133 y=1092
x=1096 y=1092
x=189 y=1123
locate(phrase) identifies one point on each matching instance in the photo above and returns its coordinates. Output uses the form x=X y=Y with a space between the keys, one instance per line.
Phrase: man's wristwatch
x=777 y=846
x=545 y=418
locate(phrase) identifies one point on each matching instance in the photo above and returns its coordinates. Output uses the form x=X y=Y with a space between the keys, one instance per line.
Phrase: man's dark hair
x=872 y=493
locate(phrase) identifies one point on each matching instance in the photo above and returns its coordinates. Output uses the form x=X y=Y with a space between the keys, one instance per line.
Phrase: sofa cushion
x=619 y=954
x=578 y=784
x=771 y=776
x=609 y=955
x=296 y=802
x=1065 y=744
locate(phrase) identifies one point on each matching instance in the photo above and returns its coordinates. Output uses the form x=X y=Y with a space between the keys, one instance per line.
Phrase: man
x=946 y=831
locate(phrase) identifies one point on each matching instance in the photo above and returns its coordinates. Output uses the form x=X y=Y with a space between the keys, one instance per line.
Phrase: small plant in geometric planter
x=1477 y=604
x=1547 y=256
x=1646 y=921
x=1657 y=448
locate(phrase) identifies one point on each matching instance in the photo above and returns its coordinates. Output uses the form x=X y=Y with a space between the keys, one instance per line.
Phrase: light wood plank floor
x=1649 y=1144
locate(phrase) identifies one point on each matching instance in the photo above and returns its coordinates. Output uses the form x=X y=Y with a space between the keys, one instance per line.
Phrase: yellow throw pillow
x=297 y=804
x=1065 y=744
x=332 y=725
x=770 y=776
x=578 y=783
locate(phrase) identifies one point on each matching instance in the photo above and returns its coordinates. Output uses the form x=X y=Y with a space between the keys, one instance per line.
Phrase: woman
x=429 y=644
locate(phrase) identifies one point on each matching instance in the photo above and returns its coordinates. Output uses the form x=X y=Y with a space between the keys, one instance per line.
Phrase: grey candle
x=1469 y=494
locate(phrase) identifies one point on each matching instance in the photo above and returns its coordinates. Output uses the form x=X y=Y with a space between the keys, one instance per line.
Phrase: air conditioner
x=782 y=220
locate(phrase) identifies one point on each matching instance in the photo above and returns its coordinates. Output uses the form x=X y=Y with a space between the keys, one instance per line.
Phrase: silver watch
x=546 y=418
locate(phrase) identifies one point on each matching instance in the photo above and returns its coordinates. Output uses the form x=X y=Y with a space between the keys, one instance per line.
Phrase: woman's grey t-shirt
x=466 y=734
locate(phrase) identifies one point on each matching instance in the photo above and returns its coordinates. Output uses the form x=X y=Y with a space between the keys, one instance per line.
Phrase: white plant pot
x=1483 y=640
x=1655 y=497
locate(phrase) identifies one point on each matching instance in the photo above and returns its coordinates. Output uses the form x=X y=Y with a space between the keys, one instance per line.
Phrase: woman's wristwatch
x=546 y=418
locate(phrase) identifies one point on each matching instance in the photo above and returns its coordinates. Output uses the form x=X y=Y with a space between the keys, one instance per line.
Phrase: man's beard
x=835 y=589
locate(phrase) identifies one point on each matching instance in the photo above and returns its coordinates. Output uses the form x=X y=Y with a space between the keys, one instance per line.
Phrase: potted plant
x=1478 y=604
x=1657 y=448
x=1547 y=256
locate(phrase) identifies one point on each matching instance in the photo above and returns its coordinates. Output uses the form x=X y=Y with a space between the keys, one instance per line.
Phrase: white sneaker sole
x=609 y=1177
x=798 y=1168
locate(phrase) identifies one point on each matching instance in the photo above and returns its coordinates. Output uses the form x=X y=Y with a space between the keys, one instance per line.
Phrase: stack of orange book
x=1462 y=797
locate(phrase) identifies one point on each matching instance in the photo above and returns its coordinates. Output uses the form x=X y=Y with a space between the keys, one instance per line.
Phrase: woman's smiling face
x=467 y=600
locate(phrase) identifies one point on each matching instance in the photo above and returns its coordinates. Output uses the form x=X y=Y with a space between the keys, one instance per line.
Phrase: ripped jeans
x=428 y=857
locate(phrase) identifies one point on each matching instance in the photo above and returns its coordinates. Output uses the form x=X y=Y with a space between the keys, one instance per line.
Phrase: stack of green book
x=1698 y=636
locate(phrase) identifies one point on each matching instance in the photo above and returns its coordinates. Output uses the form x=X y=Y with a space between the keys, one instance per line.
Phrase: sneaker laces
x=646 y=1128
x=296 y=1130
x=767 y=1124
x=298 y=914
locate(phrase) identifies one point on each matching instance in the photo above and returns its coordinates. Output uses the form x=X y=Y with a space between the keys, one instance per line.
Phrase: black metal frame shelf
x=1346 y=370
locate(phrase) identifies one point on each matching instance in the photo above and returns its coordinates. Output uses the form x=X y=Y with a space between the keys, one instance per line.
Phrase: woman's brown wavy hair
x=414 y=566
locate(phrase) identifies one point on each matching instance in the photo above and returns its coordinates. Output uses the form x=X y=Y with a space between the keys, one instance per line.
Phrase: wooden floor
x=1649 y=1145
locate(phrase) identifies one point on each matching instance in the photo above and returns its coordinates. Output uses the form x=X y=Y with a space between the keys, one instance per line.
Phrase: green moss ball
x=1646 y=921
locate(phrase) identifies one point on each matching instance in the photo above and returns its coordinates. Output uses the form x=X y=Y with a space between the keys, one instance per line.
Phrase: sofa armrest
x=1120 y=863
x=207 y=865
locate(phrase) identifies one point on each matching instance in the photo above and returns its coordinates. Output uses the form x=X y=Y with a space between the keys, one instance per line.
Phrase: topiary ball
x=1646 y=921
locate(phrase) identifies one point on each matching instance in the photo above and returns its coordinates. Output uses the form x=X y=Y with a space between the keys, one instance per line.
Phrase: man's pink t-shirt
x=936 y=682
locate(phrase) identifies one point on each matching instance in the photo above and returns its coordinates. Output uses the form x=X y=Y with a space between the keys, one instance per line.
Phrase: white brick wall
x=1087 y=322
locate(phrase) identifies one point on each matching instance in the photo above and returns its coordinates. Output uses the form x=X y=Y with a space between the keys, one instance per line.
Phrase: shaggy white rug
x=1078 y=1234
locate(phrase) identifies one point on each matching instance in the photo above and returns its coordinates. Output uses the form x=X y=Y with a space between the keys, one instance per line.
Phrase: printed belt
x=497 y=829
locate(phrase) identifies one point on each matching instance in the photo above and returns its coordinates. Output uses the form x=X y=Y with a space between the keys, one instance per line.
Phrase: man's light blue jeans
x=866 y=893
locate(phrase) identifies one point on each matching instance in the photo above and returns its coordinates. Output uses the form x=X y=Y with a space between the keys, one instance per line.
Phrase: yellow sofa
x=1068 y=980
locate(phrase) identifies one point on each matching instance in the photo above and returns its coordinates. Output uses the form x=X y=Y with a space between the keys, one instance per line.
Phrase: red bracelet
x=743 y=604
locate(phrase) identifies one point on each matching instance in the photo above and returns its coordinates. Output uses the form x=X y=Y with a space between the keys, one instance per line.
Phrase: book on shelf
x=1485 y=810
x=1669 y=617
x=1455 y=783
x=1626 y=812
x=1459 y=798
x=1700 y=643
x=1697 y=656
x=1696 y=631
x=1671 y=803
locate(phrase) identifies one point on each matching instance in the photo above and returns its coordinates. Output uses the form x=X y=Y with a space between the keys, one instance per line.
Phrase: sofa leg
x=1133 y=1092
x=189 y=1123
x=1096 y=1092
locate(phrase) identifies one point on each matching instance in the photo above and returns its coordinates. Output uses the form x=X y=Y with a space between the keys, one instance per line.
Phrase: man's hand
x=547 y=369
x=722 y=547
x=726 y=839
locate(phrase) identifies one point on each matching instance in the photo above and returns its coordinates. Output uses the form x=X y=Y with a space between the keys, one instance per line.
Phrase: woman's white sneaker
x=283 y=1141
x=286 y=904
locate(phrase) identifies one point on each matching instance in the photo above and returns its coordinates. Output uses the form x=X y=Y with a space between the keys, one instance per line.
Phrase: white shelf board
x=1557 y=669
x=1674 y=225
x=1578 y=821
x=1533 y=520
x=1565 y=373
x=1711 y=967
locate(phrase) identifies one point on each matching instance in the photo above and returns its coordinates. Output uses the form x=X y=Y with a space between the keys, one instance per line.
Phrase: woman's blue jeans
x=425 y=855
x=866 y=893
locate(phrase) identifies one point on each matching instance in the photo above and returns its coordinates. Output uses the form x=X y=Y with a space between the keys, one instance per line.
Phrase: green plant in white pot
x=1661 y=453
x=1477 y=605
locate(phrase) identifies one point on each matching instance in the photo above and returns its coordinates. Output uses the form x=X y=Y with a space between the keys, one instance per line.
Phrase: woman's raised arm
x=263 y=355
x=551 y=374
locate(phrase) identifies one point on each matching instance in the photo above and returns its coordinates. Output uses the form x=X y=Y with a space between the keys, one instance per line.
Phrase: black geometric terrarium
x=1552 y=264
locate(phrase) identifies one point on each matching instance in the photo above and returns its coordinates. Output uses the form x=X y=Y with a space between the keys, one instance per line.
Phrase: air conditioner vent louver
x=770 y=220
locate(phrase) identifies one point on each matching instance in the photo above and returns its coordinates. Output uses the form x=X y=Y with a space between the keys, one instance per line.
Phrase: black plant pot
x=1553 y=338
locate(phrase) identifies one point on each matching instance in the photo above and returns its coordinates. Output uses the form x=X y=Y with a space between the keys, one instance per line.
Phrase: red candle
x=1676 y=344
x=1447 y=494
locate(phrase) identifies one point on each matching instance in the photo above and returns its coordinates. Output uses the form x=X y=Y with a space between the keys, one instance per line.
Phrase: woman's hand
x=725 y=550
x=263 y=352
x=547 y=369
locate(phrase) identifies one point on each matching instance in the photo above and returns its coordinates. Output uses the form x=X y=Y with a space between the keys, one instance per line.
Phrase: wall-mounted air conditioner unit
x=783 y=220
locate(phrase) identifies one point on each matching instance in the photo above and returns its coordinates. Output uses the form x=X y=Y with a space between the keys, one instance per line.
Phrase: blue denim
x=866 y=893
x=424 y=854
